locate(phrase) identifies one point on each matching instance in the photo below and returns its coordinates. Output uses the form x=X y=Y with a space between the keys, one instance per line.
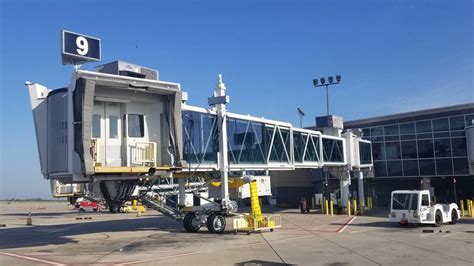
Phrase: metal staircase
x=161 y=207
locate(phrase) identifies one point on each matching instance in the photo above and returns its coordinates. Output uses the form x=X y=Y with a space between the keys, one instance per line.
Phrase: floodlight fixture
x=338 y=78
x=315 y=82
x=323 y=80
x=331 y=79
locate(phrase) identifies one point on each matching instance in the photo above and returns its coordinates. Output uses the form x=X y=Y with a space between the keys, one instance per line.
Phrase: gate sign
x=79 y=48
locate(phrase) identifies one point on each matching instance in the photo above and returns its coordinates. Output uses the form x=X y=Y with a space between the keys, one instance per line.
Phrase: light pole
x=301 y=114
x=322 y=82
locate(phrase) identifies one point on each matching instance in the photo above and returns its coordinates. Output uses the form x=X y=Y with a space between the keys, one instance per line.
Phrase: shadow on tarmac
x=41 y=235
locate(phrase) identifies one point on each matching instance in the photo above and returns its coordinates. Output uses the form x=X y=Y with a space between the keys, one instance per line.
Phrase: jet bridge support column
x=360 y=187
x=344 y=183
x=219 y=101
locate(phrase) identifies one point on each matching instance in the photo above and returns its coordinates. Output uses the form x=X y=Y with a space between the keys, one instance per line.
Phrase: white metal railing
x=143 y=154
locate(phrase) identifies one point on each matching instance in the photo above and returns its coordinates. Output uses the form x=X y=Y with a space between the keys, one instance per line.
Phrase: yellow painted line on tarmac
x=360 y=231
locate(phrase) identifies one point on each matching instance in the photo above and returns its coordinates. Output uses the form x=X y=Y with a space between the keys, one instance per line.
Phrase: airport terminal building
x=422 y=149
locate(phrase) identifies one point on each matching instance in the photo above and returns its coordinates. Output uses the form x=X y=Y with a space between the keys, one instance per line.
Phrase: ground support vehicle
x=416 y=207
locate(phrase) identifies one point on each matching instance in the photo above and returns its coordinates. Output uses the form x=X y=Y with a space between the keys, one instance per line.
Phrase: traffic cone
x=29 y=221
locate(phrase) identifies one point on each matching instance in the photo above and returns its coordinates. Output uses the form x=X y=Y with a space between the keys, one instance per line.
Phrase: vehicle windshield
x=405 y=201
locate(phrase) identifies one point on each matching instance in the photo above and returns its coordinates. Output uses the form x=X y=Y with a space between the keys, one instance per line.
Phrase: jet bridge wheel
x=216 y=223
x=191 y=223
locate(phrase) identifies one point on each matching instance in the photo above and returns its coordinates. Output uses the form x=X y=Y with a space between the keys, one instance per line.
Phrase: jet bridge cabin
x=108 y=126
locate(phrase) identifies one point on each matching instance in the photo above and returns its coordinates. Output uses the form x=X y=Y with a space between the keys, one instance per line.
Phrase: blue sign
x=79 y=48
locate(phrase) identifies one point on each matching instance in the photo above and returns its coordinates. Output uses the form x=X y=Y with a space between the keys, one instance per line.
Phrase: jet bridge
x=120 y=129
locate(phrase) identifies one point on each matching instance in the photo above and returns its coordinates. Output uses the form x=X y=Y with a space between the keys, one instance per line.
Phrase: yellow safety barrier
x=354 y=202
x=349 y=207
x=361 y=207
x=469 y=210
x=461 y=205
x=472 y=209
x=369 y=202
x=326 y=207
x=332 y=207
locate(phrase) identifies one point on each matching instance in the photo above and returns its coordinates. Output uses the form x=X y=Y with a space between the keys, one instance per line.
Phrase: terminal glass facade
x=433 y=147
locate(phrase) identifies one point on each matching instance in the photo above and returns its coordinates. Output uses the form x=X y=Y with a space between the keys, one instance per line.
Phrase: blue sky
x=394 y=56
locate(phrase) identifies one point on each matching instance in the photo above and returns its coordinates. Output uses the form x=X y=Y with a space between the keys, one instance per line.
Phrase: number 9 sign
x=79 y=48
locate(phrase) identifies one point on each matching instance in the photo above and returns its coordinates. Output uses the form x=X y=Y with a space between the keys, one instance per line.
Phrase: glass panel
x=441 y=124
x=365 y=153
x=461 y=166
x=312 y=152
x=376 y=131
x=391 y=130
x=332 y=150
x=427 y=167
x=299 y=143
x=456 y=123
x=444 y=167
x=458 y=133
x=380 y=168
x=405 y=201
x=407 y=128
x=391 y=138
x=423 y=126
x=469 y=120
x=135 y=126
x=201 y=142
x=410 y=168
x=113 y=126
x=442 y=148
x=394 y=168
x=441 y=135
x=392 y=150
x=425 y=200
x=409 y=150
x=378 y=151
x=405 y=137
x=424 y=136
x=96 y=126
x=459 y=147
x=366 y=133
x=425 y=149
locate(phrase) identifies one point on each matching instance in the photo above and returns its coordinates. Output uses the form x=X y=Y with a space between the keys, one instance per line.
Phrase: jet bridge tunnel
x=120 y=129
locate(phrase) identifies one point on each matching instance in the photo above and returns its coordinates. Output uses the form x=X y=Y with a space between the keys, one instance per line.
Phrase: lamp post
x=322 y=82
x=301 y=114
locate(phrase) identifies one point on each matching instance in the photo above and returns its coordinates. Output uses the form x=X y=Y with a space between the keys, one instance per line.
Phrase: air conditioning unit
x=123 y=68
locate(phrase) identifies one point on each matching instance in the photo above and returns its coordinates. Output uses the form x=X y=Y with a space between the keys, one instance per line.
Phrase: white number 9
x=83 y=46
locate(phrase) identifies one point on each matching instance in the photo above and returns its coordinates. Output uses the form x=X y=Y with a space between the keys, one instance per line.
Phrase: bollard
x=139 y=213
x=472 y=209
x=354 y=202
x=332 y=207
x=361 y=207
x=326 y=207
x=313 y=204
x=370 y=203
x=469 y=210
x=29 y=220
x=349 y=207
x=461 y=204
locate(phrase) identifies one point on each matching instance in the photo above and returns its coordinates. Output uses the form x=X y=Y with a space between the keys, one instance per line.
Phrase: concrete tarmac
x=58 y=238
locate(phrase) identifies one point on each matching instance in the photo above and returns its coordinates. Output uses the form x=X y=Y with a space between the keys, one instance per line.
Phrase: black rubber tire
x=454 y=217
x=216 y=223
x=188 y=223
x=438 y=219
x=113 y=209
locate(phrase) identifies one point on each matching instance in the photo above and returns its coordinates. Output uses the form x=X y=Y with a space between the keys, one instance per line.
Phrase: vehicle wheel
x=454 y=217
x=216 y=223
x=438 y=219
x=191 y=223
x=113 y=209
